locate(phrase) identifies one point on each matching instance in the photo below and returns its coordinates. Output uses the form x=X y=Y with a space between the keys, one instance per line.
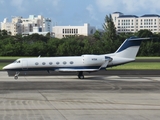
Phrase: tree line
x=99 y=43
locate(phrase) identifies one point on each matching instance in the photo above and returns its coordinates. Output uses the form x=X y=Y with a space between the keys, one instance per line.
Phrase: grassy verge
x=138 y=65
x=13 y=58
x=139 y=58
x=128 y=66
x=2 y=65
x=10 y=58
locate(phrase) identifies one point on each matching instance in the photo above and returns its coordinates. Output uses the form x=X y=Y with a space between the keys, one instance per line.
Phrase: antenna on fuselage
x=39 y=56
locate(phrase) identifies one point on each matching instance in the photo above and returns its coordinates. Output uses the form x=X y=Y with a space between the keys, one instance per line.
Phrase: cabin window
x=43 y=63
x=50 y=63
x=36 y=63
x=57 y=63
x=71 y=62
x=64 y=62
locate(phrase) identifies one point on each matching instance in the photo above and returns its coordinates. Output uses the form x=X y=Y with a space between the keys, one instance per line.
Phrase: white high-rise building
x=63 y=31
x=36 y=24
x=33 y=24
x=133 y=23
x=16 y=26
x=6 y=25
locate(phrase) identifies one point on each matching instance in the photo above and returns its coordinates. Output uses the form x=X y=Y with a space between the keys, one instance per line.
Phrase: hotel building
x=133 y=23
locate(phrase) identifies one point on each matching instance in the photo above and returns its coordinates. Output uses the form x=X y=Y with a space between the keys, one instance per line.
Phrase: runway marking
x=153 y=78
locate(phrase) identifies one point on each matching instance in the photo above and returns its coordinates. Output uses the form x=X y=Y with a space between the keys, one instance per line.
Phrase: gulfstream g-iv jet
x=85 y=63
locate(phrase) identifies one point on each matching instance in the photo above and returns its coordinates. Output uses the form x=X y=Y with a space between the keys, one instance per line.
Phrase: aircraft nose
x=6 y=67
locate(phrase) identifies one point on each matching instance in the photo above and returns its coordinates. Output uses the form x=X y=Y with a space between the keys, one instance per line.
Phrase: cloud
x=1 y=1
x=18 y=4
x=35 y=6
x=128 y=6
x=91 y=11
x=55 y=3
x=106 y=5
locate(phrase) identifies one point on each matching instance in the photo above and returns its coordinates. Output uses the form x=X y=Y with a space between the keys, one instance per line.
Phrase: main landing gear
x=16 y=75
x=80 y=75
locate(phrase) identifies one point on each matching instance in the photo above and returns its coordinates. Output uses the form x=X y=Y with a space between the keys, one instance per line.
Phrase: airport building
x=25 y=26
x=63 y=31
x=133 y=23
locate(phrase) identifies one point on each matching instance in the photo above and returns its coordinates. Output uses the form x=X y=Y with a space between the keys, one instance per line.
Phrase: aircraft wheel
x=81 y=77
x=15 y=77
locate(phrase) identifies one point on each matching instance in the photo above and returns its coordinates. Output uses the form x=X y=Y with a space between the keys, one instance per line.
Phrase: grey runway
x=68 y=98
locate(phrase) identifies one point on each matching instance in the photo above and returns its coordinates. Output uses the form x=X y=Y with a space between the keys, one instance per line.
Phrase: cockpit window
x=17 y=61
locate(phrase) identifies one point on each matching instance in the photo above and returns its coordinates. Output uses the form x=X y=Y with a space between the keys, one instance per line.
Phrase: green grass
x=2 y=65
x=147 y=58
x=10 y=58
x=138 y=65
x=14 y=58
x=128 y=66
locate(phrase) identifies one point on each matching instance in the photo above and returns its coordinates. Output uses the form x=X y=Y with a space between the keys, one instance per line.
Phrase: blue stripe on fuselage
x=54 y=68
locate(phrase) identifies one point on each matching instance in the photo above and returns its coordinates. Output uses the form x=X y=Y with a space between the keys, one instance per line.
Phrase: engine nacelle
x=93 y=59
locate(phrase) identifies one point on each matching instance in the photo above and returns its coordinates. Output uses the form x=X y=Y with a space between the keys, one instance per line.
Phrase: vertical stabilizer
x=129 y=47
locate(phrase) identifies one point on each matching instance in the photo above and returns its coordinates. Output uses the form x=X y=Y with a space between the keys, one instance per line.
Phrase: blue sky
x=76 y=12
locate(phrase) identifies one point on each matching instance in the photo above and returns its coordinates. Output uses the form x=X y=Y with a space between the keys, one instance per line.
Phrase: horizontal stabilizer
x=135 y=38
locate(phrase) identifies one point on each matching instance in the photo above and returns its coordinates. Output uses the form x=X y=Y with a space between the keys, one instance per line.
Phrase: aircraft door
x=24 y=65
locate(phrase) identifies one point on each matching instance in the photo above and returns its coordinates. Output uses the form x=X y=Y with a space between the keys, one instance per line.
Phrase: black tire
x=15 y=77
x=81 y=77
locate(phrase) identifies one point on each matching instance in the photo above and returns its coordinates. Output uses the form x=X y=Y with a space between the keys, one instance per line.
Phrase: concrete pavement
x=68 y=98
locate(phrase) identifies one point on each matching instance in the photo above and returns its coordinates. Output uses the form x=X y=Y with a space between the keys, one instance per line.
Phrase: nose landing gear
x=16 y=75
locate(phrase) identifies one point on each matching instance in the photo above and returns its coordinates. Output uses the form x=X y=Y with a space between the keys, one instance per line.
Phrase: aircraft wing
x=76 y=70
x=104 y=65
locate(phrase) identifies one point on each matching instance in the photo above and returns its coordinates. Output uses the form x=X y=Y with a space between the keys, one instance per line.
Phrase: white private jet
x=85 y=63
